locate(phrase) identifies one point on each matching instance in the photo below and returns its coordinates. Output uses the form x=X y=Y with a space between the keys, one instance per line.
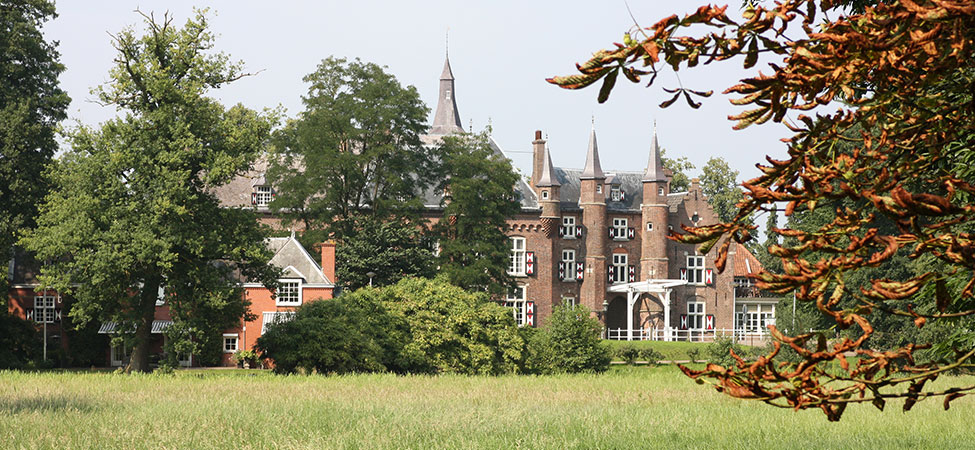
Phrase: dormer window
x=616 y=193
x=262 y=195
x=695 y=218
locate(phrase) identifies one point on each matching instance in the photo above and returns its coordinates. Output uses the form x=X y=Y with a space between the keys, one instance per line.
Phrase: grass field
x=672 y=351
x=630 y=407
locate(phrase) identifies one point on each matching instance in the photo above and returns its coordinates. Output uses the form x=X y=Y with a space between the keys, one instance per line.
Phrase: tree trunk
x=146 y=308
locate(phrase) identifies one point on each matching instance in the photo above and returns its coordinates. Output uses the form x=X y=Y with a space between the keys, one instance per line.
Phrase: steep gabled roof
x=291 y=256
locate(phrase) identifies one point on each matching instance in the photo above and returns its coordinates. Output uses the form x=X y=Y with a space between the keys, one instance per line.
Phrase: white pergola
x=633 y=291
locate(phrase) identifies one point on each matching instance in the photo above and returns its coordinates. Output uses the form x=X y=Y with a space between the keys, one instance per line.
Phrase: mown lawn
x=630 y=407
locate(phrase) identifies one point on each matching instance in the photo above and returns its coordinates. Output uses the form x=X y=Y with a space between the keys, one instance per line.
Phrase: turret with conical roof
x=592 y=200
x=446 y=120
x=653 y=262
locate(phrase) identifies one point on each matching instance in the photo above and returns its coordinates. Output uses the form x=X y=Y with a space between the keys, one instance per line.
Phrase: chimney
x=538 y=158
x=328 y=261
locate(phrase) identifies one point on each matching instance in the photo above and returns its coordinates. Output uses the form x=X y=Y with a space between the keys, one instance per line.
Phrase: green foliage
x=479 y=196
x=719 y=351
x=20 y=344
x=453 y=330
x=679 y=168
x=627 y=353
x=31 y=105
x=390 y=249
x=251 y=357
x=719 y=182
x=576 y=342
x=132 y=210
x=354 y=151
x=327 y=336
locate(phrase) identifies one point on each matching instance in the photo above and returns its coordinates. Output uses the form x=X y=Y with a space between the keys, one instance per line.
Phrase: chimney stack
x=328 y=261
x=538 y=158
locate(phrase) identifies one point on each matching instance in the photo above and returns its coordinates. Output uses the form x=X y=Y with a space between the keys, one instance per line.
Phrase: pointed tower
x=592 y=200
x=548 y=190
x=653 y=262
x=447 y=119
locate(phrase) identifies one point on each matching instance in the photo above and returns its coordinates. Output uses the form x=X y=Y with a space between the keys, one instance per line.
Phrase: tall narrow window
x=568 y=227
x=516 y=301
x=568 y=301
x=695 y=269
x=695 y=315
x=569 y=261
x=516 y=262
x=619 y=267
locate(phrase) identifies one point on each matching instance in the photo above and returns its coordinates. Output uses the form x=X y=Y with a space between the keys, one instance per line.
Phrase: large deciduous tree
x=719 y=183
x=479 y=196
x=900 y=77
x=354 y=151
x=132 y=213
x=31 y=105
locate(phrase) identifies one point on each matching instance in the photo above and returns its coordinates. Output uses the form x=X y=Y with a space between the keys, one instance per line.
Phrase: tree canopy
x=479 y=197
x=348 y=153
x=899 y=75
x=132 y=212
x=31 y=105
x=719 y=184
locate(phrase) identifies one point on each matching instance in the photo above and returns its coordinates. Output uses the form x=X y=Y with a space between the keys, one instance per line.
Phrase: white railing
x=740 y=336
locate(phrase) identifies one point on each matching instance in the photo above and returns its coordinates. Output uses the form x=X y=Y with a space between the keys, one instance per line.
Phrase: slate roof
x=296 y=262
x=630 y=183
x=592 y=169
x=237 y=193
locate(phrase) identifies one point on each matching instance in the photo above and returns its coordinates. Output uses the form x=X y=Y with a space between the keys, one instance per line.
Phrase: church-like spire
x=447 y=119
x=655 y=167
x=593 y=169
x=548 y=178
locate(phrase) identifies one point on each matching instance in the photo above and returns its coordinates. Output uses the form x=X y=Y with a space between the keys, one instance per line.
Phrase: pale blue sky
x=500 y=51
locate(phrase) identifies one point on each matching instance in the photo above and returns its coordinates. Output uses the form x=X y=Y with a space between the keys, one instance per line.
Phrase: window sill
x=569 y=237
x=287 y=304
x=520 y=275
x=620 y=239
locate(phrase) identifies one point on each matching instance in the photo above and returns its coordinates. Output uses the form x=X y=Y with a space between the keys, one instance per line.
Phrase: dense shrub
x=719 y=351
x=329 y=336
x=20 y=345
x=651 y=356
x=452 y=330
x=575 y=341
x=627 y=353
x=539 y=357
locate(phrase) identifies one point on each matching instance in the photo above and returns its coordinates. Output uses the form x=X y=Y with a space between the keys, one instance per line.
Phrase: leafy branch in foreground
x=900 y=76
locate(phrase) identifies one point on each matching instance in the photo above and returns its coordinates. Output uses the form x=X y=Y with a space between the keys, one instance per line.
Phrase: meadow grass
x=629 y=407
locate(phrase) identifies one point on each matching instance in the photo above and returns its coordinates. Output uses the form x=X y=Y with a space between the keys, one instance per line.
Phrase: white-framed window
x=516 y=262
x=695 y=315
x=599 y=189
x=568 y=301
x=649 y=226
x=544 y=195
x=185 y=359
x=569 y=227
x=230 y=342
x=695 y=269
x=516 y=301
x=754 y=317
x=619 y=228
x=269 y=318
x=616 y=193
x=569 y=260
x=619 y=268
x=288 y=293
x=660 y=190
x=263 y=195
x=44 y=308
